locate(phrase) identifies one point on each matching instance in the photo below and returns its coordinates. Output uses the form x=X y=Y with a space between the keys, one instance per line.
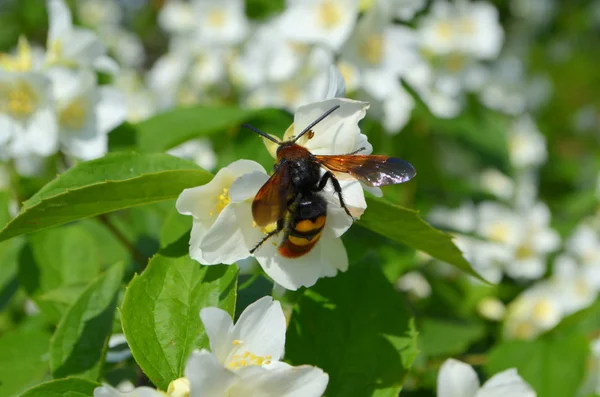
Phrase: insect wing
x=270 y=203
x=372 y=170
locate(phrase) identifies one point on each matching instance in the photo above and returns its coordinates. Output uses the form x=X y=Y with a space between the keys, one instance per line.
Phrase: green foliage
x=405 y=226
x=160 y=313
x=108 y=184
x=24 y=360
x=553 y=366
x=56 y=265
x=169 y=129
x=358 y=329
x=78 y=345
x=441 y=337
x=69 y=387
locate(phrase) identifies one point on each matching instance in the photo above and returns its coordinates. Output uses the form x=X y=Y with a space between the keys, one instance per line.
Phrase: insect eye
x=311 y=134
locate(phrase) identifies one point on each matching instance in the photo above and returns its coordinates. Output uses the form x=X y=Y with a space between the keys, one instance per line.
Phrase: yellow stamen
x=222 y=201
x=330 y=14
x=237 y=342
x=18 y=99
x=372 y=49
x=216 y=18
x=74 y=115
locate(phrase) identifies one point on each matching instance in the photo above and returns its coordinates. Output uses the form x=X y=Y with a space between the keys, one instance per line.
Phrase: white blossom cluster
x=50 y=99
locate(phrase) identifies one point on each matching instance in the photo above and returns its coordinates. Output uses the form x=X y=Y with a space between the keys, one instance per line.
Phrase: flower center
x=216 y=18
x=524 y=331
x=499 y=232
x=19 y=100
x=246 y=358
x=330 y=14
x=444 y=29
x=524 y=251
x=466 y=26
x=346 y=71
x=222 y=201
x=372 y=49
x=74 y=115
x=543 y=309
x=455 y=62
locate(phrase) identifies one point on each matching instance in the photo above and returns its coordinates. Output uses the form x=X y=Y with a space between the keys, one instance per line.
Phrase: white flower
x=200 y=151
x=72 y=46
x=144 y=391
x=406 y=9
x=308 y=84
x=527 y=146
x=470 y=28
x=118 y=349
x=326 y=22
x=491 y=308
x=208 y=378
x=86 y=112
x=457 y=379
x=28 y=124
x=256 y=339
x=177 y=17
x=495 y=182
x=534 y=311
x=538 y=240
x=222 y=229
x=220 y=22
x=462 y=219
x=414 y=283
x=100 y=13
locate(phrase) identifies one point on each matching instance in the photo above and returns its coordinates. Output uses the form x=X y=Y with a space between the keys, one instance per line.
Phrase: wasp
x=292 y=199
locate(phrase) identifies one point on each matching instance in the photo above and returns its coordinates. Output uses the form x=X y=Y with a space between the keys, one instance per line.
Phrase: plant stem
x=138 y=256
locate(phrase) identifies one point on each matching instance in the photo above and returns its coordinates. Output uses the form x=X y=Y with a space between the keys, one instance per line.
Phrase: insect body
x=291 y=197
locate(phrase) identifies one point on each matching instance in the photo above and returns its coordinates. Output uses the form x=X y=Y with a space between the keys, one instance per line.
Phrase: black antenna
x=317 y=121
x=259 y=132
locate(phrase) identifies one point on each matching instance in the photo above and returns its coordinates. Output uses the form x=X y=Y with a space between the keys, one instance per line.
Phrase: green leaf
x=176 y=126
x=81 y=338
x=554 y=367
x=62 y=259
x=440 y=337
x=160 y=313
x=406 y=226
x=24 y=360
x=69 y=387
x=358 y=329
x=111 y=183
x=584 y=321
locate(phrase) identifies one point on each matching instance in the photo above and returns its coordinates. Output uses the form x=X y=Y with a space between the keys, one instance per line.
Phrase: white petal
x=336 y=87
x=302 y=381
x=111 y=109
x=106 y=64
x=456 y=379
x=247 y=185
x=338 y=133
x=334 y=257
x=224 y=242
x=506 y=383
x=207 y=376
x=59 y=19
x=42 y=133
x=261 y=328
x=291 y=273
x=218 y=325
x=108 y=391
x=86 y=149
x=199 y=229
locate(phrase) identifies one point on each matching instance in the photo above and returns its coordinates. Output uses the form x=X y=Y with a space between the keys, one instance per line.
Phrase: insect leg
x=328 y=176
x=357 y=150
x=280 y=224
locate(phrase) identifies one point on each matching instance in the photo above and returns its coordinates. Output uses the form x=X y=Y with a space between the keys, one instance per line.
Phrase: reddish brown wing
x=270 y=203
x=372 y=170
